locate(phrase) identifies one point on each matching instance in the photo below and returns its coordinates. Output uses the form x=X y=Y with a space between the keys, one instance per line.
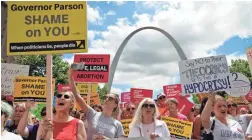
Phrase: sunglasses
x=65 y=96
x=233 y=105
x=109 y=98
x=163 y=97
x=148 y=105
x=128 y=109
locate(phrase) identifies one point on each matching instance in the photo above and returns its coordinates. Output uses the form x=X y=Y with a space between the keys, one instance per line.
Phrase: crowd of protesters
x=215 y=117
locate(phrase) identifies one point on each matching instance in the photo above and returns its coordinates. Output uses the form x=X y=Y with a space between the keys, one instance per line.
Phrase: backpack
x=210 y=135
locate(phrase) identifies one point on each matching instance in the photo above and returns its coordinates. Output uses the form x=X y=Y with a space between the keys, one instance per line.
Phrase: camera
x=78 y=66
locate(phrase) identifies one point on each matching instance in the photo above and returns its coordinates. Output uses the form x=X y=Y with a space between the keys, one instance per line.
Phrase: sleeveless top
x=65 y=130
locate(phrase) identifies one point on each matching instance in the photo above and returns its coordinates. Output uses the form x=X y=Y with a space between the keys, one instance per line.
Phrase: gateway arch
x=124 y=43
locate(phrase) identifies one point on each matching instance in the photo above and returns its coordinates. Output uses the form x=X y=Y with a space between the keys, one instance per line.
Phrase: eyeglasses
x=128 y=109
x=162 y=97
x=109 y=98
x=65 y=96
x=233 y=105
x=148 y=105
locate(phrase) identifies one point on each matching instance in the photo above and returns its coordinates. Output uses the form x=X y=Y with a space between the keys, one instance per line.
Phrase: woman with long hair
x=145 y=122
x=233 y=113
x=220 y=127
x=6 y=112
x=63 y=126
x=101 y=125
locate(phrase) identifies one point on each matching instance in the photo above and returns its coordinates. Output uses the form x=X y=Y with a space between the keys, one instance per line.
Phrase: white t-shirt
x=249 y=130
x=10 y=136
x=222 y=132
x=242 y=120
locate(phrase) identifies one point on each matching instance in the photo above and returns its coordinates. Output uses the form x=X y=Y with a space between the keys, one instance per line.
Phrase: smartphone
x=78 y=66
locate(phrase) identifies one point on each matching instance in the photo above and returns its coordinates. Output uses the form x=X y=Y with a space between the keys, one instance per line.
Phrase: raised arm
x=206 y=113
x=83 y=105
x=22 y=125
x=196 y=128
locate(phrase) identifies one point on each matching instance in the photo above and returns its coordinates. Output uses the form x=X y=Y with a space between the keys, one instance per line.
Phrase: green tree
x=102 y=92
x=195 y=99
x=241 y=66
x=38 y=67
x=36 y=111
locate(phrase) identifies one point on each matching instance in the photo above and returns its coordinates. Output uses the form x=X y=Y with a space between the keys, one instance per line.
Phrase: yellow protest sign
x=46 y=27
x=83 y=88
x=94 y=99
x=179 y=128
x=125 y=124
x=30 y=88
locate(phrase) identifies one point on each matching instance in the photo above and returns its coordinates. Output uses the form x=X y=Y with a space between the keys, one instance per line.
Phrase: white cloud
x=93 y=15
x=110 y=13
x=150 y=61
x=117 y=2
x=235 y=56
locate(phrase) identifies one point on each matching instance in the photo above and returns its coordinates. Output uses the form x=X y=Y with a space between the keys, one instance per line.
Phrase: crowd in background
x=214 y=117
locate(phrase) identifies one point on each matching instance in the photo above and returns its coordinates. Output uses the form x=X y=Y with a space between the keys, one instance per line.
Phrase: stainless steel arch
x=125 y=41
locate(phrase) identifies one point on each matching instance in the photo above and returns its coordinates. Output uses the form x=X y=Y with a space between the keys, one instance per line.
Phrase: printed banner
x=28 y=88
x=96 y=69
x=204 y=74
x=137 y=95
x=179 y=128
x=125 y=124
x=63 y=87
x=46 y=27
x=8 y=74
x=125 y=97
x=184 y=105
x=83 y=88
x=172 y=90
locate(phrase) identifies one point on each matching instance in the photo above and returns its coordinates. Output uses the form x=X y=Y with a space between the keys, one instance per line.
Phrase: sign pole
x=49 y=92
x=89 y=92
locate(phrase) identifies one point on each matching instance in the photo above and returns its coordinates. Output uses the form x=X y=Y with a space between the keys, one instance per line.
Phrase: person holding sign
x=6 y=111
x=64 y=126
x=145 y=123
x=102 y=125
x=233 y=113
x=220 y=127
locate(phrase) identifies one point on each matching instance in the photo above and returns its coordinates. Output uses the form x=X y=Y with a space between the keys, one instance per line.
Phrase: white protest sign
x=204 y=74
x=9 y=72
x=240 y=85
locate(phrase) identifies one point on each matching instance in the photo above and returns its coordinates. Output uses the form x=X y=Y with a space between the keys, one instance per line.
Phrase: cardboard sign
x=172 y=90
x=240 y=85
x=83 y=88
x=94 y=99
x=46 y=27
x=63 y=87
x=125 y=124
x=28 y=88
x=8 y=74
x=125 y=97
x=179 y=128
x=137 y=95
x=96 y=68
x=204 y=74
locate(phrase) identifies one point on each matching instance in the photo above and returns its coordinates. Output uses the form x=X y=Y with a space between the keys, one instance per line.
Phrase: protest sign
x=96 y=68
x=83 y=88
x=249 y=57
x=137 y=95
x=204 y=74
x=63 y=87
x=8 y=74
x=172 y=90
x=179 y=128
x=249 y=95
x=46 y=27
x=125 y=124
x=94 y=99
x=184 y=105
x=28 y=88
x=240 y=85
x=125 y=97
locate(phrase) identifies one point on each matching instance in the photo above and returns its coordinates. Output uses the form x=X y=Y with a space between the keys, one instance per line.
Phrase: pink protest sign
x=125 y=97
x=137 y=95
